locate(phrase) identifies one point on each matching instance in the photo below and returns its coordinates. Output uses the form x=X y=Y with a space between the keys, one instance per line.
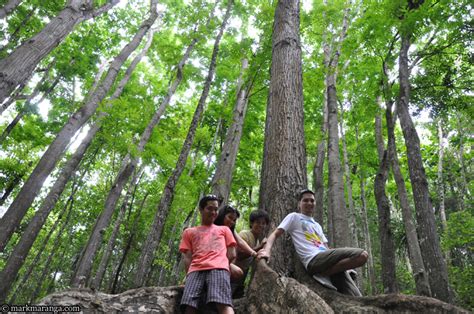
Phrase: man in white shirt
x=327 y=266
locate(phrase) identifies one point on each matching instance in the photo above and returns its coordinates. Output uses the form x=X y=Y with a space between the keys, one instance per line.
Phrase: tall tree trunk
x=428 y=236
x=367 y=240
x=465 y=192
x=111 y=243
x=156 y=230
x=387 y=245
x=48 y=161
x=222 y=179
x=378 y=131
x=318 y=169
x=114 y=283
x=284 y=155
x=442 y=209
x=347 y=174
x=337 y=206
x=19 y=65
x=416 y=260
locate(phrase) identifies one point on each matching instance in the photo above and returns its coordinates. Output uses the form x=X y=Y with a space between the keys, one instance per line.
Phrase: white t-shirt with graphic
x=307 y=235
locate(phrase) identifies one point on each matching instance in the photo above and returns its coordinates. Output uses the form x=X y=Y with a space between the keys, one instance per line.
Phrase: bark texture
x=337 y=205
x=428 y=236
x=284 y=156
x=19 y=65
x=156 y=229
x=387 y=245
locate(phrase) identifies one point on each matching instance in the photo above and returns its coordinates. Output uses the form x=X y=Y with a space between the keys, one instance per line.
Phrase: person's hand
x=263 y=254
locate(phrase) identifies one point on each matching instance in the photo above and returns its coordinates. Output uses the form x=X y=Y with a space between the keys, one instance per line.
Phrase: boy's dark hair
x=203 y=201
x=227 y=209
x=257 y=214
x=304 y=191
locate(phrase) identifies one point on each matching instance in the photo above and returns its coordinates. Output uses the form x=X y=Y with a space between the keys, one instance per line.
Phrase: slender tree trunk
x=347 y=174
x=318 y=169
x=8 y=7
x=222 y=179
x=284 y=155
x=172 y=249
x=378 y=131
x=156 y=230
x=114 y=283
x=442 y=209
x=465 y=194
x=19 y=65
x=111 y=243
x=368 y=242
x=387 y=246
x=428 y=236
x=337 y=206
x=30 y=189
x=340 y=221
x=416 y=260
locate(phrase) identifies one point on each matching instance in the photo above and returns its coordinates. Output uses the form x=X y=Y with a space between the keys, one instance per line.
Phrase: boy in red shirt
x=207 y=252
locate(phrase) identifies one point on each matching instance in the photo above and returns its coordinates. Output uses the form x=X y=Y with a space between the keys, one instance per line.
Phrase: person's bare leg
x=224 y=308
x=235 y=272
x=347 y=263
x=190 y=310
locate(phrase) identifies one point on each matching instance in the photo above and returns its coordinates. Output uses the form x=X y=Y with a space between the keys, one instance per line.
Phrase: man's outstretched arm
x=266 y=251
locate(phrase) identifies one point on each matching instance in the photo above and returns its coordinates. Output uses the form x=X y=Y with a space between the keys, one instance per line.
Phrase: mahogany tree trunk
x=387 y=245
x=428 y=236
x=416 y=260
x=284 y=155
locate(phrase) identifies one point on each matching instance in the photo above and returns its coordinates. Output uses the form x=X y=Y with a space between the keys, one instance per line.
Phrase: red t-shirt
x=208 y=245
